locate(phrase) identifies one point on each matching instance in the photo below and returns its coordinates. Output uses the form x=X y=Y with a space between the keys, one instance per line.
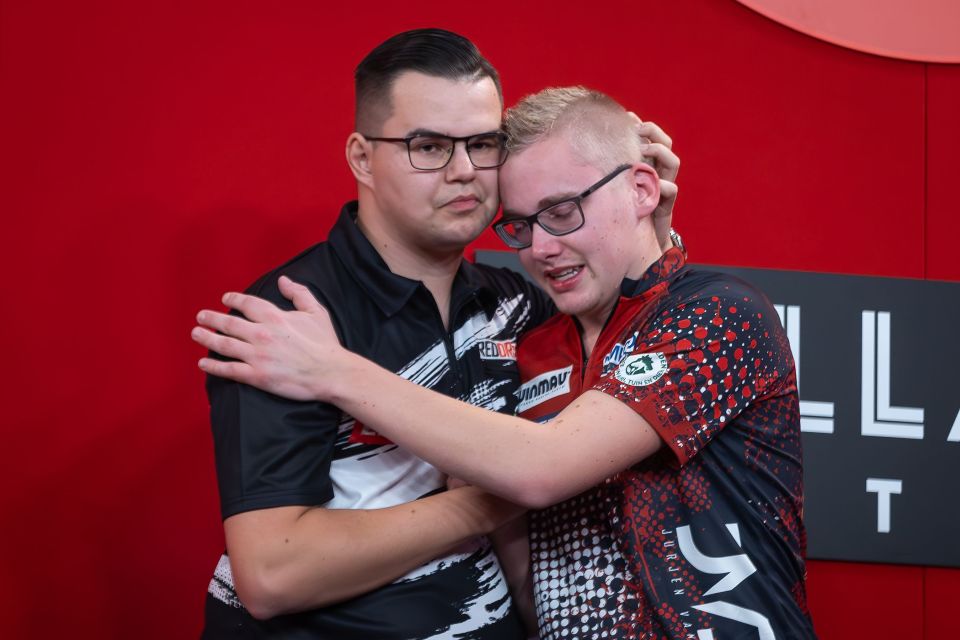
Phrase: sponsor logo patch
x=497 y=349
x=362 y=434
x=641 y=369
x=544 y=387
x=616 y=354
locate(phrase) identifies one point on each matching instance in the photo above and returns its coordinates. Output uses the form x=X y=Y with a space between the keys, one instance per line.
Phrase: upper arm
x=259 y=544
x=253 y=537
x=593 y=438
x=698 y=365
x=269 y=451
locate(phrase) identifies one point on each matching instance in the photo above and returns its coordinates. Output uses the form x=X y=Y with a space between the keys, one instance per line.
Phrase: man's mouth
x=469 y=200
x=560 y=275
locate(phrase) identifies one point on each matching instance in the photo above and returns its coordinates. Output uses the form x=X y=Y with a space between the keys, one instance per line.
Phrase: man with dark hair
x=332 y=530
x=325 y=521
x=658 y=437
x=432 y=52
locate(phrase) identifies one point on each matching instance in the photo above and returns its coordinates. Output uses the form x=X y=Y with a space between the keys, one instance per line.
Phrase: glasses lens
x=428 y=152
x=486 y=151
x=561 y=218
x=515 y=233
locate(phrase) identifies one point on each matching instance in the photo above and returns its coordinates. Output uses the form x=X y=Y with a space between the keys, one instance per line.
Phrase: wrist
x=345 y=377
x=486 y=511
x=676 y=241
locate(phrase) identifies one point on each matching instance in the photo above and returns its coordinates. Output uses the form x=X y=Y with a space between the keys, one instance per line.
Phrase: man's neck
x=648 y=252
x=591 y=326
x=435 y=269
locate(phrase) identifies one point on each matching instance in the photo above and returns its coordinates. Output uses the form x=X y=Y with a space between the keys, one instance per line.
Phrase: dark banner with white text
x=878 y=364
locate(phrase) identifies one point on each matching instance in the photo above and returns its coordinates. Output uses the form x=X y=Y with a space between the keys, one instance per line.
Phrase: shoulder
x=528 y=300
x=703 y=295
x=703 y=282
x=316 y=268
x=502 y=281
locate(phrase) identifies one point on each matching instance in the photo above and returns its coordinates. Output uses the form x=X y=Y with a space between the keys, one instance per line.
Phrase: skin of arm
x=535 y=465
x=263 y=367
x=296 y=354
x=288 y=559
x=512 y=546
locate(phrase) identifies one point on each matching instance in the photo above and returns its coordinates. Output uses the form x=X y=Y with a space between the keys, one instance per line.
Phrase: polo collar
x=667 y=268
x=389 y=291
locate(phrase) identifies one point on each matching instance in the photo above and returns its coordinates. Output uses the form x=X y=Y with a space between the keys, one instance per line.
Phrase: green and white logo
x=641 y=369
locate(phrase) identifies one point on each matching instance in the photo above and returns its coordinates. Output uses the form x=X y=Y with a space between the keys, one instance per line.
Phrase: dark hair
x=433 y=52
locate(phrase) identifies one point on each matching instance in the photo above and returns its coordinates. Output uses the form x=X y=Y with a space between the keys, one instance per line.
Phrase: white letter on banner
x=954 y=435
x=877 y=417
x=883 y=488
x=815 y=416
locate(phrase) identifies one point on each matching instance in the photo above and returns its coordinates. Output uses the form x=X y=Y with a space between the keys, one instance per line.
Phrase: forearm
x=495 y=451
x=532 y=464
x=296 y=355
x=512 y=544
x=293 y=558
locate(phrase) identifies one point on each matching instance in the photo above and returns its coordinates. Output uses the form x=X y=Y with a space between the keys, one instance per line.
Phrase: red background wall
x=154 y=155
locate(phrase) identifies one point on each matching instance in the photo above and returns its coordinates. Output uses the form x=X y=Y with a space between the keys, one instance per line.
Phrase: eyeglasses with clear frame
x=433 y=151
x=557 y=219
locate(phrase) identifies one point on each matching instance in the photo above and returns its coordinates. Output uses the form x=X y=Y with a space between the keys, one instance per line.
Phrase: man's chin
x=463 y=231
x=448 y=241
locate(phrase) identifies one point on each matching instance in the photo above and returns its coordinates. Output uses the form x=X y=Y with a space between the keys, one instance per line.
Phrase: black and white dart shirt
x=272 y=452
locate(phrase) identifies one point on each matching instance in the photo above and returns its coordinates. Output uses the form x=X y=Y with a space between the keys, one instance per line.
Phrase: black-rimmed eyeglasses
x=431 y=152
x=557 y=219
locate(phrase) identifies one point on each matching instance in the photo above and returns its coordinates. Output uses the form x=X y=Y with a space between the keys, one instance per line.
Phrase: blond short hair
x=600 y=131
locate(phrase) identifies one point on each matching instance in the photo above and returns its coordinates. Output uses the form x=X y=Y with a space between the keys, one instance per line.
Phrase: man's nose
x=543 y=245
x=460 y=166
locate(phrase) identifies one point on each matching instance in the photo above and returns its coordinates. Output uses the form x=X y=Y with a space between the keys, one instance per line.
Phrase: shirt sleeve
x=270 y=451
x=699 y=362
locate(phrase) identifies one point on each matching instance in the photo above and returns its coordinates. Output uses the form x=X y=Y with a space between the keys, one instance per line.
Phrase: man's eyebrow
x=557 y=197
x=425 y=132
x=430 y=132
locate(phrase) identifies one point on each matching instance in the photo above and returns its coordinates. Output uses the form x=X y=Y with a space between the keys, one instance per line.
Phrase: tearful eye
x=559 y=213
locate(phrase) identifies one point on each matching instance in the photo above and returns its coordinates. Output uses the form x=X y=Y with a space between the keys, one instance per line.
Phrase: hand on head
x=658 y=148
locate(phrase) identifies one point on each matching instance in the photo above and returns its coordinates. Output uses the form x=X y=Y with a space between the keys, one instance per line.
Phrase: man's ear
x=358 y=158
x=646 y=184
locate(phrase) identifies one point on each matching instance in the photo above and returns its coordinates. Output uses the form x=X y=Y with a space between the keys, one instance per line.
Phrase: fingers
x=658 y=147
x=668 y=193
x=655 y=134
x=299 y=295
x=233 y=326
x=239 y=371
x=638 y=123
x=252 y=307
x=665 y=161
x=224 y=345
